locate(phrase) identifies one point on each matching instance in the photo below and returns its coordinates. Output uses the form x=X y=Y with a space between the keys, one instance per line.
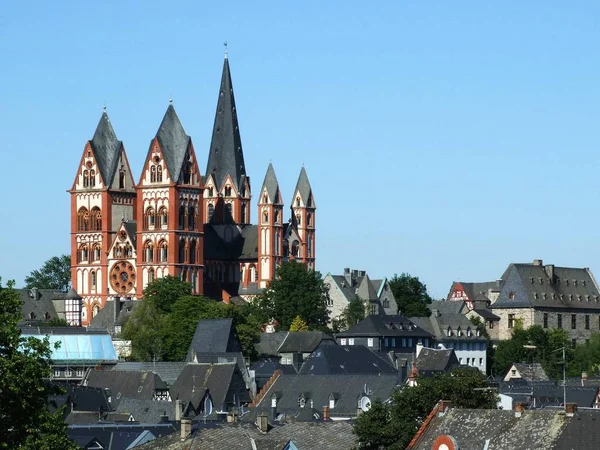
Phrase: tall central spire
x=226 y=156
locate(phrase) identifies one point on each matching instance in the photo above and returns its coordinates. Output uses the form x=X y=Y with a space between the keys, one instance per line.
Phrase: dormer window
x=511 y=296
x=459 y=332
x=265 y=199
x=301 y=401
x=273 y=401
x=469 y=334
x=449 y=332
x=331 y=401
x=297 y=201
x=210 y=192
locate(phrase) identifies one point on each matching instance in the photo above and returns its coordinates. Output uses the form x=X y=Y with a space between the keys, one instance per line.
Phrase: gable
x=155 y=171
x=88 y=173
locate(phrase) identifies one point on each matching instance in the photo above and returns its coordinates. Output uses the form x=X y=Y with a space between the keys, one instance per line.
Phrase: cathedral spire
x=174 y=142
x=270 y=186
x=107 y=148
x=226 y=156
x=303 y=189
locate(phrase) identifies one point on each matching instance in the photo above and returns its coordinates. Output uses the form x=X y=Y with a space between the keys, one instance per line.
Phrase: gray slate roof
x=529 y=285
x=269 y=343
x=146 y=411
x=366 y=290
x=471 y=428
x=139 y=385
x=107 y=149
x=271 y=185
x=379 y=325
x=118 y=436
x=439 y=322
x=213 y=336
x=106 y=316
x=304 y=189
x=241 y=436
x=174 y=142
x=304 y=341
x=226 y=156
x=38 y=302
x=244 y=247
x=473 y=289
x=432 y=360
x=339 y=360
x=167 y=371
x=530 y=371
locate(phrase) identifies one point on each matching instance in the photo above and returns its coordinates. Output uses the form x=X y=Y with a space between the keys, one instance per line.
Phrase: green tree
x=411 y=295
x=144 y=330
x=296 y=291
x=352 y=314
x=298 y=324
x=164 y=292
x=54 y=274
x=25 y=368
x=586 y=358
x=56 y=322
x=409 y=406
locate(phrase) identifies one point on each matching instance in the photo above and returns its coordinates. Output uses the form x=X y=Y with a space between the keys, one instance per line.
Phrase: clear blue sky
x=444 y=139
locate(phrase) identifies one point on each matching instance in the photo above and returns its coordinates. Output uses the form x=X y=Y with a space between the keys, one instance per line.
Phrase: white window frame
x=343 y=341
x=370 y=342
x=351 y=341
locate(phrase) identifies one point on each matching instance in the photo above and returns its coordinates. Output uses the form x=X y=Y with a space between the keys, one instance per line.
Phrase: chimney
x=538 y=262
x=419 y=347
x=117 y=310
x=325 y=413
x=273 y=415
x=348 y=276
x=262 y=422
x=570 y=409
x=186 y=428
x=178 y=410
x=519 y=408
x=584 y=377
x=549 y=268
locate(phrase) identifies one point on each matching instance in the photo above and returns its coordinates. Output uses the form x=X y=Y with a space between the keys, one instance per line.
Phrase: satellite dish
x=365 y=404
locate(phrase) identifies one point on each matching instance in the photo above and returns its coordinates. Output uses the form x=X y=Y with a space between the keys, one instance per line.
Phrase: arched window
x=265 y=217
x=93 y=276
x=95 y=310
x=228 y=213
x=96 y=252
x=227 y=191
x=299 y=219
x=265 y=199
x=83 y=219
x=153 y=174
x=295 y=248
x=122 y=179
x=253 y=274
x=92 y=178
x=191 y=218
x=187 y=173
x=277 y=247
x=159 y=174
x=96 y=219
x=276 y=216
x=309 y=220
x=83 y=253
x=150 y=275
x=244 y=213
x=297 y=201
x=128 y=251
x=182 y=212
x=86 y=178
x=164 y=217
x=182 y=250
x=164 y=251
x=211 y=212
x=210 y=192
x=193 y=252
x=309 y=247
x=148 y=251
x=150 y=219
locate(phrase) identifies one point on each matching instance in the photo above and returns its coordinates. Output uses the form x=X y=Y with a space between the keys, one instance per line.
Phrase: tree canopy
x=295 y=291
x=392 y=425
x=54 y=274
x=411 y=295
x=25 y=368
x=163 y=325
x=298 y=324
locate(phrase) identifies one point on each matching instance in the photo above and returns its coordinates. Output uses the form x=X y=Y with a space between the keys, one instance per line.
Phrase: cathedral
x=176 y=220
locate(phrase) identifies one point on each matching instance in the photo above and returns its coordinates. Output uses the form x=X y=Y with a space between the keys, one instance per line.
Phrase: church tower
x=170 y=209
x=227 y=188
x=102 y=197
x=270 y=228
x=303 y=221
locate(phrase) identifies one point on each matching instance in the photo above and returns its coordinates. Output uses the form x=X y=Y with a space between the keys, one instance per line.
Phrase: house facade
x=174 y=220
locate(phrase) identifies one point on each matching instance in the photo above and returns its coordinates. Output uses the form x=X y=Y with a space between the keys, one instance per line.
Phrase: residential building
x=140 y=385
x=432 y=361
x=39 y=306
x=544 y=394
x=177 y=221
x=118 y=436
x=297 y=346
x=168 y=371
x=393 y=333
x=527 y=372
x=75 y=350
x=467 y=292
x=452 y=428
x=356 y=284
x=551 y=297
x=454 y=330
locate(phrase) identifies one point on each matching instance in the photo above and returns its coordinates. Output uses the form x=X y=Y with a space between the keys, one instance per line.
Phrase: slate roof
x=266 y=367
x=531 y=286
x=107 y=149
x=139 y=385
x=431 y=360
x=366 y=290
x=167 y=371
x=303 y=189
x=530 y=371
x=173 y=141
x=269 y=343
x=339 y=360
x=549 y=394
x=581 y=432
x=213 y=336
x=131 y=229
x=473 y=289
x=106 y=316
x=471 y=428
x=38 y=302
x=304 y=341
x=244 y=436
x=439 y=322
x=117 y=436
x=87 y=398
x=226 y=156
x=196 y=379
x=447 y=307
x=146 y=411
x=379 y=325
x=271 y=185
x=347 y=390
x=244 y=247
x=486 y=314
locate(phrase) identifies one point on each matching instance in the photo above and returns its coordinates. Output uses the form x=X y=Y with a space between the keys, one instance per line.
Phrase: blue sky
x=444 y=139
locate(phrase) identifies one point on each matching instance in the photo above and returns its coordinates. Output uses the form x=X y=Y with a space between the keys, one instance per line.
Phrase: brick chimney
x=570 y=409
x=325 y=413
x=186 y=428
x=519 y=408
x=262 y=422
x=538 y=262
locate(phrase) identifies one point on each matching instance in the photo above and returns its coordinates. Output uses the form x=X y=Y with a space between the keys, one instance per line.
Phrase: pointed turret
x=270 y=187
x=173 y=141
x=106 y=148
x=226 y=156
x=303 y=189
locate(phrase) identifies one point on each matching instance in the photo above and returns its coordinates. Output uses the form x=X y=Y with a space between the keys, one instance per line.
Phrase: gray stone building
x=356 y=284
x=549 y=296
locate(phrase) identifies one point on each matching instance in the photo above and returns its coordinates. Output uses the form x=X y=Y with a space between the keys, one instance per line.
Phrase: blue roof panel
x=81 y=347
